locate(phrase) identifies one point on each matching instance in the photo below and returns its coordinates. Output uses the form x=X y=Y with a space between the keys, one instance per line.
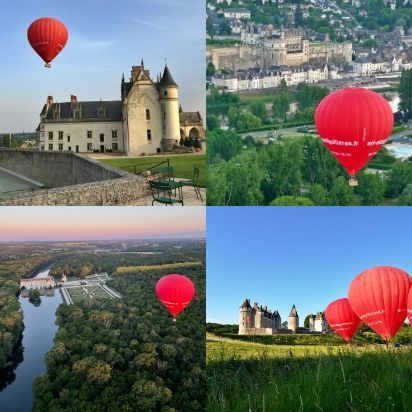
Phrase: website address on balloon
x=368 y=315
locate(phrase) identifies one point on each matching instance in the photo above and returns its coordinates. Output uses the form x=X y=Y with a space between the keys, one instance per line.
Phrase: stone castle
x=38 y=283
x=259 y=320
x=147 y=120
x=286 y=48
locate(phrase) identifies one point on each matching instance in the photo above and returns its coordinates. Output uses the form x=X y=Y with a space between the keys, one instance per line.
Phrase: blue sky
x=105 y=39
x=305 y=256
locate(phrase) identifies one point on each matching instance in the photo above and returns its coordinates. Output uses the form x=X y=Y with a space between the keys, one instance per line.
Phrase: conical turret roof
x=293 y=312
x=246 y=304
x=167 y=79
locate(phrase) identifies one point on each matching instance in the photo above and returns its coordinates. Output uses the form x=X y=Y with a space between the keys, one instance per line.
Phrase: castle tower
x=293 y=320
x=169 y=103
x=245 y=316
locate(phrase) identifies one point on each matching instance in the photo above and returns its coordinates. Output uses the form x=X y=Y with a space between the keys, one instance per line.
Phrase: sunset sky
x=95 y=223
x=105 y=39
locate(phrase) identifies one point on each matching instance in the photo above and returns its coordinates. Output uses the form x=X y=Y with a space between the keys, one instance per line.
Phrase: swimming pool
x=13 y=182
x=402 y=151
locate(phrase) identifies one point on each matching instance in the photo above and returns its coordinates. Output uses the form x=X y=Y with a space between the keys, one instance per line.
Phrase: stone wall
x=71 y=180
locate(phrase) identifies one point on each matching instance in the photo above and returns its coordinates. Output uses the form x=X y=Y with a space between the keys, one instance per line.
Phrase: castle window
x=50 y=135
x=114 y=134
x=165 y=93
x=89 y=134
x=115 y=146
x=50 y=146
x=149 y=135
x=69 y=148
x=101 y=137
x=164 y=115
x=60 y=135
x=68 y=139
x=60 y=146
x=147 y=114
x=90 y=146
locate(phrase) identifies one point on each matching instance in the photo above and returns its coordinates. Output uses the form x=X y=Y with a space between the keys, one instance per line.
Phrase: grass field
x=122 y=270
x=183 y=165
x=253 y=377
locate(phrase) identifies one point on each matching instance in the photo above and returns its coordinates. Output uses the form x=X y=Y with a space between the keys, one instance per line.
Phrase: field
x=183 y=165
x=169 y=266
x=253 y=377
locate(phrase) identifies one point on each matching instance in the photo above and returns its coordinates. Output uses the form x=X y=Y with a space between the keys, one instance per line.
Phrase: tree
x=280 y=105
x=317 y=194
x=258 y=108
x=399 y=176
x=247 y=121
x=405 y=93
x=210 y=69
x=291 y=201
x=371 y=188
x=341 y=193
x=306 y=321
x=299 y=22
x=405 y=199
x=222 y=144
x=212 y=122
x=210 y=29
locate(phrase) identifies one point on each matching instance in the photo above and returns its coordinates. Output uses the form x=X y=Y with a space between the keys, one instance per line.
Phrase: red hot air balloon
x=342 y=319
x=354 y=123
x=379 y=297
x=48 y=37
x=175 y=292
x=410 y=306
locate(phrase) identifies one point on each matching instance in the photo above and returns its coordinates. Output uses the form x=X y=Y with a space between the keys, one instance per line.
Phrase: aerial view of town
x=304 y=315
x=114 y=124
x=270 y=64
x=113 y=322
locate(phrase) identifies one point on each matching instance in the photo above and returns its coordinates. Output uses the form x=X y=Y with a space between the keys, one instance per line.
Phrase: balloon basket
x=48 y=65
x=353 y=182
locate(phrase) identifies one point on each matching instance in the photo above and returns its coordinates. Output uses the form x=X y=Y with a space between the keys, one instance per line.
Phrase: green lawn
x=78 y=294
x=244 y=376
x=183 y=165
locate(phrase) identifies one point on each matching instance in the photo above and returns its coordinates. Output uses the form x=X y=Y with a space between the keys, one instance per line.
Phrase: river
x=38 y=334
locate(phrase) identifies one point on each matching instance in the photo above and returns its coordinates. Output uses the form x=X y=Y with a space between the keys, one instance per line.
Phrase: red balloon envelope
x=410 y=307
x=379 y=297
x=175 y=292
x=48 y=37
x=354 y=123
x=342 y=319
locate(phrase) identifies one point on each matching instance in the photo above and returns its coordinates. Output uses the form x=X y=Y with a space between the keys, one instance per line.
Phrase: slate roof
x=89 y=110
x=293 y=312
x=246 y=304
x=167 y=79
x=190 y=117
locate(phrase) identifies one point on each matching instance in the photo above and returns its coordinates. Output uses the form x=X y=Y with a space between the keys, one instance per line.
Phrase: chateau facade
x=258 y=320
x=286 y=48
x=318 y=323
x=146 y=120
x=38 y=283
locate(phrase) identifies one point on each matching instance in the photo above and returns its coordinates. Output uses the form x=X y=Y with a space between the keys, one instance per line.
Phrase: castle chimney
x=73 y=100
x=49 y=102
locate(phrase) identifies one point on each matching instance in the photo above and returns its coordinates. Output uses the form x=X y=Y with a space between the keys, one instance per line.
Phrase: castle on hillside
x=147 y=119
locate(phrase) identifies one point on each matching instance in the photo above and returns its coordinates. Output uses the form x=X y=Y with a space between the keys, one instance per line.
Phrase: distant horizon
x=76 y=224
x=187 y=236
